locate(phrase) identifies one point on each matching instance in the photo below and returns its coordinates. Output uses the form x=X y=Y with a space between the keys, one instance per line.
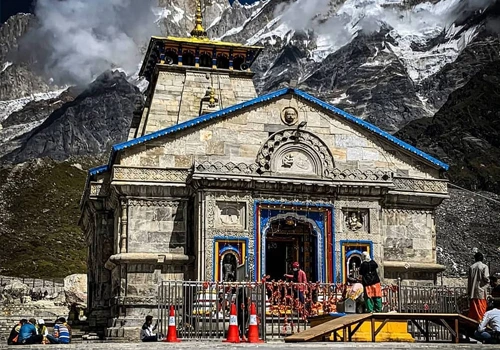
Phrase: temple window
x=188 y=58
x=171 y=57
x=205 y=60
x=222 y=61
x=238 y=61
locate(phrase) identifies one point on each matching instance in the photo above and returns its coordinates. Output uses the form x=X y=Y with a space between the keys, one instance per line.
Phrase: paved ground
x=217 y=345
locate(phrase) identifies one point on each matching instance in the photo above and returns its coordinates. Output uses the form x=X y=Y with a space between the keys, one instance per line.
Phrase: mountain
x=96 y=119
x=465 y=132
x=425 y=70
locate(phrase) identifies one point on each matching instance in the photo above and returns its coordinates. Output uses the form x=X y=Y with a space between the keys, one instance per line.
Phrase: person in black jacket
x=371 y=284
x=243 y=310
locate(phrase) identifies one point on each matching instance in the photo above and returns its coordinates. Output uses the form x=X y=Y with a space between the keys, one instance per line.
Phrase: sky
x=11 y=7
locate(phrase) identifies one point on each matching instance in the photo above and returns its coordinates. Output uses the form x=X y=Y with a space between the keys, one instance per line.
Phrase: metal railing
x=202 y=309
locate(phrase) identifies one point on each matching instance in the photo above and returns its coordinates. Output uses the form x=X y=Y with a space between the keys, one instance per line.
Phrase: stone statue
x=353 y=222
x=229 y=268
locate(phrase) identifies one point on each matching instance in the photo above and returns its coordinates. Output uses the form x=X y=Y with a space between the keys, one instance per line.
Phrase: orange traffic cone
x=172 y=329
x=253 y=328
x=233 y=335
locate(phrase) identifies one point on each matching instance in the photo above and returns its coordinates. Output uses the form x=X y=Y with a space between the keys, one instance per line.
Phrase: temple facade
x=215 y=179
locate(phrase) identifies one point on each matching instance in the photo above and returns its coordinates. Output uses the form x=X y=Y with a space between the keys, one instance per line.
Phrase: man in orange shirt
x=299 y=276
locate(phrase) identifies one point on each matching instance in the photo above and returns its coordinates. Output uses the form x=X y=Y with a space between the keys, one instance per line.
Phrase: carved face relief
x=289 y=116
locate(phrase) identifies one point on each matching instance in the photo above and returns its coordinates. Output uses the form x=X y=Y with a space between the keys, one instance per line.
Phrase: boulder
x=75 y=289
x=15 y=289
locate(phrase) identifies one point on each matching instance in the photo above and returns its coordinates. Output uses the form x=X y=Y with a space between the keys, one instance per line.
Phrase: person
x=147 y=330
x=492 y=319
x=28 y=335
x=62 y=332
x=299 y=276
x=371 y=283
x=243 y=311
x=14 y=332
x=477 y=280
x=42 y=329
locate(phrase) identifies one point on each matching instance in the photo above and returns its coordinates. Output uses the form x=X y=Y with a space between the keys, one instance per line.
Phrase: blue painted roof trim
x=263 y=98
x=98 y=170
x=372 y=128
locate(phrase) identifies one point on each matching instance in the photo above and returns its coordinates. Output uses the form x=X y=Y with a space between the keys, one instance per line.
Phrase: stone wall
x=178 y=93
x=239 y=137
x=410 y=235
x=156 y=226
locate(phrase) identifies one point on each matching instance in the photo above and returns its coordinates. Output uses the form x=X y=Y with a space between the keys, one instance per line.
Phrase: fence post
x=399 y=295
x=263 y=310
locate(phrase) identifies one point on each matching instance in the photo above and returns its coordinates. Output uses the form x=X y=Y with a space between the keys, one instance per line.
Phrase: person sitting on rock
x=28 y=334
x=62 y=332
x=147 y=330
x=42 y=329
x=14 y=332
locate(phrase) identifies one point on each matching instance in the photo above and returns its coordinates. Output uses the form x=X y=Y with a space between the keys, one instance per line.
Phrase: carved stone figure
x=289 y=116
x=229 y=216
x=229 y=268
x=353 y=222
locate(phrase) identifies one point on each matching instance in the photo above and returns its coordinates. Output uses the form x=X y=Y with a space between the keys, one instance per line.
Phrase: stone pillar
x=123 y=227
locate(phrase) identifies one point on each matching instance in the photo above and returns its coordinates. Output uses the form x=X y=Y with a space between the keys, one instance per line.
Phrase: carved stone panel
x=230 y=214
x=356 y=220
x=295 y=162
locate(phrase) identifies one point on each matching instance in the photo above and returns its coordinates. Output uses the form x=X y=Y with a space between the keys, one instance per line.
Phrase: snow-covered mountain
x=391 y=62
x=388 y=61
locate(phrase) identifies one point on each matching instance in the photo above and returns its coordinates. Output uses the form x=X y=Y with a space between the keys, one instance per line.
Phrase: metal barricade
x=202 y=309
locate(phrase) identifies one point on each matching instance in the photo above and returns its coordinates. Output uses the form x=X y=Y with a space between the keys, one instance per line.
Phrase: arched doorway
x=290 y=237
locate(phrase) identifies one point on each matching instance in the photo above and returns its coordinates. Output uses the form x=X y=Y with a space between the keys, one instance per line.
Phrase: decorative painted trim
x=154 y=203
x=349 y=242
x=260 y=225
x=215 y=262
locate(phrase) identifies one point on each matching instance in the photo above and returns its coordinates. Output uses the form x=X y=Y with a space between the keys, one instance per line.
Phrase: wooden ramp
x=318 y=332
x=456 y=324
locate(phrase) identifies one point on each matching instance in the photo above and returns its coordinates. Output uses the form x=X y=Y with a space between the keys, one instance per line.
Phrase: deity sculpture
x=229 y=268
x=353 y=223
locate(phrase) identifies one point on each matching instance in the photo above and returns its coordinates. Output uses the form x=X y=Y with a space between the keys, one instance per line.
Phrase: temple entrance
x=290 y=239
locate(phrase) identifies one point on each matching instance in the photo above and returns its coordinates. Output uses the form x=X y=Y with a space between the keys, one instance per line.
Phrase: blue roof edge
x=266 y=97
x=372 y=128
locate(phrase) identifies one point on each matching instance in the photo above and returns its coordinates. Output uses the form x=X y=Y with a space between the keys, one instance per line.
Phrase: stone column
x=123 y=228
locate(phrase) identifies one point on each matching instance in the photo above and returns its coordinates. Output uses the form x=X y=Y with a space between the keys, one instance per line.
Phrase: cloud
x=76 y=40
x=341 y=20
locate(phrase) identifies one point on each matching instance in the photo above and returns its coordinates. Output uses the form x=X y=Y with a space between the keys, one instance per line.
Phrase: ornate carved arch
x=279 y=151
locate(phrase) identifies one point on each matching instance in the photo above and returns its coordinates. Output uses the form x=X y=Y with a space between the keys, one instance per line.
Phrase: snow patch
x=10 y=133
x=254 y=14
x=11 y=106
x=174 y=16
x=6 y=65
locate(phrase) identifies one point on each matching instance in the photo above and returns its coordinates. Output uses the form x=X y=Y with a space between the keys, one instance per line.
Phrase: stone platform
x=188 y=345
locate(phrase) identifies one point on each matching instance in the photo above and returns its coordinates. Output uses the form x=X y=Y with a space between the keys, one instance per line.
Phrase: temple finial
x=198 y=30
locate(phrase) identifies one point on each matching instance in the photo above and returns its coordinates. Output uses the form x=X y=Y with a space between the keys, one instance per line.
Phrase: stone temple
x=215 y=179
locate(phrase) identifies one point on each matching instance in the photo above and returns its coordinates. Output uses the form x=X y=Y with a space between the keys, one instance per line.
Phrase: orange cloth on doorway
x=477 y=309
x=373 y=291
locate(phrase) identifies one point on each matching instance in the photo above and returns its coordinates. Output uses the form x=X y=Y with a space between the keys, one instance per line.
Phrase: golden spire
x=198 y=30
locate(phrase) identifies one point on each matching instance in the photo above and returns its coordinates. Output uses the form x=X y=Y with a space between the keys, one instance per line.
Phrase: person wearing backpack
x=371 y=284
